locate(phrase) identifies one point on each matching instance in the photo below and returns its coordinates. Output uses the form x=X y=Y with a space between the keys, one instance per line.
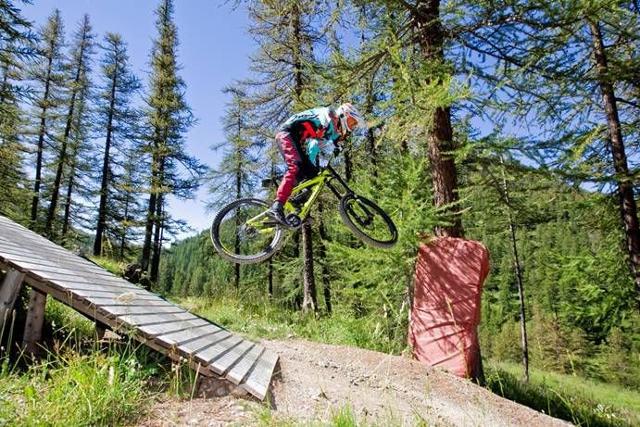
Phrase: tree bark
x=322 y=256
x=66 y=222
x=157 y=239
x=516 y=261
x=42 y=131
x=440 y=143
x=104 y=184
x=624 y=180
x=309 y=299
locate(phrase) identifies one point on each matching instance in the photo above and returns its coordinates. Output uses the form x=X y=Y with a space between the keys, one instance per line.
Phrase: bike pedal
x=294 y=221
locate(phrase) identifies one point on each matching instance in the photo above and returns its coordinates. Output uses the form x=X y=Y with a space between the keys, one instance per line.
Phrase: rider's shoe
x=277 y=212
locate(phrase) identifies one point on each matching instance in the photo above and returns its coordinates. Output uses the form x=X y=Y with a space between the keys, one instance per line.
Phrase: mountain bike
x=242 y=232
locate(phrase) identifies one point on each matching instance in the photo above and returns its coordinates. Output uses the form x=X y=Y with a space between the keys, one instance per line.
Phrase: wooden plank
x=67 y=274
x=225 y=361
x=191 y=334
x=203 y=343
x=131 y=302
x=158 y=329
x=216 y=350
x=8 y=294
x=259 y=378
x=242 y=367
x=92 y=292
x=142 y=319
x=35 y=319
x=46 y=259
x=113 y=302
x=119 y=310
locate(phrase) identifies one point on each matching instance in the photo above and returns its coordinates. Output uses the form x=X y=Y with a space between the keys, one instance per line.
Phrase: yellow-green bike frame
x=263 y=224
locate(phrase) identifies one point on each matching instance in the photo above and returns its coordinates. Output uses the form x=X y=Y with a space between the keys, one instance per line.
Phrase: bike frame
x=325 y=178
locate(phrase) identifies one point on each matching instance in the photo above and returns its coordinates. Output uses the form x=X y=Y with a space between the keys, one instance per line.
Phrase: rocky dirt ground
x=316 y=381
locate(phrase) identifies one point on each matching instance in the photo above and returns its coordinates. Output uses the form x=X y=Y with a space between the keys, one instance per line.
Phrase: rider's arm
x=318 y=146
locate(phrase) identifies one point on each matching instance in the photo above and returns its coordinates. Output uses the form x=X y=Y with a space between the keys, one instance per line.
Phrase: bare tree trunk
x=42 y=131
x=157 y=239
x=309 y=301
x=270 y=278
x=322 y=256
x=104 y=184
x=516 y=260
x=627 y=202
x=67 y=204
x=145 y=257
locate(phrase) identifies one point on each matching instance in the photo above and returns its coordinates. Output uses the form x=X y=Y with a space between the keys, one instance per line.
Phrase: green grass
x=581 y=401
x=261 y=319
x=78 y=382
x=75 y=389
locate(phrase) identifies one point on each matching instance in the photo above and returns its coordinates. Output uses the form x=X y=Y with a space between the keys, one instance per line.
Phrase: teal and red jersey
x=314 y=130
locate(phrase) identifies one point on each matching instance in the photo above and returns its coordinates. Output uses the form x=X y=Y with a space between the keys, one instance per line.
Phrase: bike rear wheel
x=242 y=233
x=368 y=221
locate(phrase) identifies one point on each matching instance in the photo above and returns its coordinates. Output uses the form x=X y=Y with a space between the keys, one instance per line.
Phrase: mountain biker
x=302 y=138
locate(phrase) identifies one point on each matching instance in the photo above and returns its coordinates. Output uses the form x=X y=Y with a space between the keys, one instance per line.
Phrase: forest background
x=514 y=123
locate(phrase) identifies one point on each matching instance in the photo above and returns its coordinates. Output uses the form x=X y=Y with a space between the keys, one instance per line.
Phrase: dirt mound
x=316 y=381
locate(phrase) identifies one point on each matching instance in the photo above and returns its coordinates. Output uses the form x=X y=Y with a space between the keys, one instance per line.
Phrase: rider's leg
x=293 y=160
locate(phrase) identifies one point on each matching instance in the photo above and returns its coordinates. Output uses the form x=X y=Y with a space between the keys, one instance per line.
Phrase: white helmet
x=350 y=118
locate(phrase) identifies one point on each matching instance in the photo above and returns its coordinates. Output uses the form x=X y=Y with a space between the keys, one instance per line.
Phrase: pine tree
x=169 y=117
x=16 y=46
x=79 y=71
x=570 y=73
x=46 y=73
x=235 y=177
x=117 y=121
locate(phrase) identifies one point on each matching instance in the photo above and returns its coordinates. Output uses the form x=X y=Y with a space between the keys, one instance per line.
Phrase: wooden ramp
x=110 y=300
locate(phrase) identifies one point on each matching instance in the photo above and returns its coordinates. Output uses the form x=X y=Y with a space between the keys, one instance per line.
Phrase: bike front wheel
x=242 y=232
x=368 y=221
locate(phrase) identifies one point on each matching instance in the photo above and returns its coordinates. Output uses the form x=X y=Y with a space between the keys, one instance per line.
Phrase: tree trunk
x=67 y=201
x=440 y=144
x=145 y=256
x=440 y=136
x=42 y=131
x=309 y=298
x=516 y=260
x=65 y=138
x=322 y=256
x=157 y=239
x=627 y=202
x=104 y=184
x=270 y=278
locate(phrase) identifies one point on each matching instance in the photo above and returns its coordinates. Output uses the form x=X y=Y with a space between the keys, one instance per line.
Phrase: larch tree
x=78 y=86
x=173 y=170
x=47 y=74
x=17 y=45
x=570 y=70
x=283 y=85
x=235 y=177
x=117 y=120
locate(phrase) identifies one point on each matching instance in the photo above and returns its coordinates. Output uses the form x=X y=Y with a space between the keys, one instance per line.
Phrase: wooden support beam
x=8 y=295
x=35 y=319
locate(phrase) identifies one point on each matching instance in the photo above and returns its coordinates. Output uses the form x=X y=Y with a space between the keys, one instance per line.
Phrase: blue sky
x=214 y=50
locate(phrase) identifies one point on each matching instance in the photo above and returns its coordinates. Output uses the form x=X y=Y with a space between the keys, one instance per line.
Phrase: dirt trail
x=317 y=380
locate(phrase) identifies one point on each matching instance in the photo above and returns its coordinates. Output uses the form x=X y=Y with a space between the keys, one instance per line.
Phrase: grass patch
x=262 y=319
x=76 y=389
x=111 y=265
x=583 y=402
x=79 y=381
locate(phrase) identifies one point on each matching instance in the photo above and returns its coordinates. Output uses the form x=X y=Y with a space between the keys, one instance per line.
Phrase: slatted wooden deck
x=113 y=301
